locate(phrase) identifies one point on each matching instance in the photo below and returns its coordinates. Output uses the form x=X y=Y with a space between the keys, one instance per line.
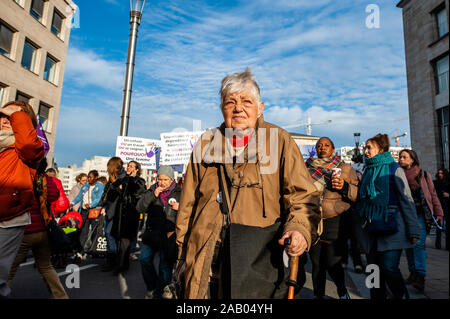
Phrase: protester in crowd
x=231 y=250
x=161 y=203
x=20 y=154
x=126 y=218
x=108 y=203
x=442 y=186
x=36 y=238
x=51 y=172
x=338 y=184
x=81 y=179
x=103 y=180
x=427 y=204
x=89 y=197
x=387 y=216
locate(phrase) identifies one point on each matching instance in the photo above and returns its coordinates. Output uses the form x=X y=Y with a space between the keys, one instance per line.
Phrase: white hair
x=237 y=82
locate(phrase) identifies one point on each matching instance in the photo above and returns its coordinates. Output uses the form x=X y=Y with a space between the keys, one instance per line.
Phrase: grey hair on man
x=237 y=82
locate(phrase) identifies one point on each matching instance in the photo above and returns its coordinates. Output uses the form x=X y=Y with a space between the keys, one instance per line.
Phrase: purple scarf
x=165 y=193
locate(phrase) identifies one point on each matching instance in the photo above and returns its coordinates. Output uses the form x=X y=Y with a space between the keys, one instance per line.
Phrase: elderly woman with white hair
x=246 y=190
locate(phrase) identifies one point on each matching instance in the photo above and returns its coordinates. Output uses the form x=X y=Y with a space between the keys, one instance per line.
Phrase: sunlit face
x=5 y=124
x=405 y=160
x=164 y=181
x=324 y=148
x=91 y=179
x=83 y=180
x=132 y=169
x=240 y=110
x=371 y=149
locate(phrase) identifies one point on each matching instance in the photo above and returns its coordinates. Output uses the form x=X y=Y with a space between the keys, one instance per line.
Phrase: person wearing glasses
x=246 y=190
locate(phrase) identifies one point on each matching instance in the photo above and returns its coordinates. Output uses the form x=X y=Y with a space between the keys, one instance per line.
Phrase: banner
x=142 y=150
x=177 y=147
x=41 y=134
x=308 y=151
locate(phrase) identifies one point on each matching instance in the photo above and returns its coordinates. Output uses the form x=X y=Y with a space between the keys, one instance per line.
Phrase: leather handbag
x=94 y=213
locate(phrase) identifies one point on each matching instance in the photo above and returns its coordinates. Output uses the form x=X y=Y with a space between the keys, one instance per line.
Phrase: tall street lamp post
x=357 y=157
x=136 y=8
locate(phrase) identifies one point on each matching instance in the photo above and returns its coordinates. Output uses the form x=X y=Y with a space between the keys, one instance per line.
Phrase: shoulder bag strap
x=226 y=203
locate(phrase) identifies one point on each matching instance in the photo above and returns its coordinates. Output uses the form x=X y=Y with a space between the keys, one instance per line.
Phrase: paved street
x=95 y=284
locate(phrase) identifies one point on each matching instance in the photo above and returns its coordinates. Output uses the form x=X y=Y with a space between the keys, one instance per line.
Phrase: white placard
x=177 y=147
x=141 y=150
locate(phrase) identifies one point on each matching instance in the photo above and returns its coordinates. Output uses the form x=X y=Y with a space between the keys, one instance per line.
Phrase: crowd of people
x=221 y=231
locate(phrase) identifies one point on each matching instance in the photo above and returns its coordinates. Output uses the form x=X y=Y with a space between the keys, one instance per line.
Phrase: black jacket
x=161 y=218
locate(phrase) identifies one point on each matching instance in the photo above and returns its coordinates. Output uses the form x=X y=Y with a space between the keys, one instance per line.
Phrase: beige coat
x=333 y=203
x=260 y=200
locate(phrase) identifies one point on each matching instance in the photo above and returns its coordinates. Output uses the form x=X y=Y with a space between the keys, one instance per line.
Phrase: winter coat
x=126 y=217
x=37 y=222
x=401 y=203
x=62 y=203
x=431 y=197
x=267 y=191
x=160 y=218
x=97 y=192
x=18 y=164
x=440 y=190
x=334 y=202
x=110 y=197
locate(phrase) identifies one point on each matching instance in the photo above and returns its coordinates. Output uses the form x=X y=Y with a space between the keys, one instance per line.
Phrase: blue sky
x=310 y=58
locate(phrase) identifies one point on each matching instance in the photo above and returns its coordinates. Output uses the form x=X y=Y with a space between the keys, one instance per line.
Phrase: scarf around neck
x=412 y=175
x=165 y=193
x=320 y=168
x=374 y=189
x=7 y=138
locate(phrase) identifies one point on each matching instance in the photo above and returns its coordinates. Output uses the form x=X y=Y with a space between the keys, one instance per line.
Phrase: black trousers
x=346 y=233
x=325 y=258
x=123 y=253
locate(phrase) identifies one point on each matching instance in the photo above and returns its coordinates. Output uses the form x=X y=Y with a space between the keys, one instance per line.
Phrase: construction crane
x=308 y=125
x=396 y=137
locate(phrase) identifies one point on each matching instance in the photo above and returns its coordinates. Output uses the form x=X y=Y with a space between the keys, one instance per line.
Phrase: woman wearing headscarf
x=337 y=192
x=427 y=205
x=161 y=203
x=387 y=216
x=21 y=151
x=246 y=190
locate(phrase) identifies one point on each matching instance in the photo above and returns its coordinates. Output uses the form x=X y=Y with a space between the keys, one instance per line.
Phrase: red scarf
x=240 y=142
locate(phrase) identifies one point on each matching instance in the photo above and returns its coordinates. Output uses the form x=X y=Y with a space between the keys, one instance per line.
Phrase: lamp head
x=137 y=5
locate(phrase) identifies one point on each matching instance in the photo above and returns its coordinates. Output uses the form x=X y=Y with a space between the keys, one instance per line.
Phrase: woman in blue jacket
x=388 y=219
x=89 y=197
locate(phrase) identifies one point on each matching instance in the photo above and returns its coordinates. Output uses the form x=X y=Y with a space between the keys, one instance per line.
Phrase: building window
x=441 y=69
x=29 y=55
x=2 y=92
x=22 y=97
x=442 y=25
x=50 y=69
x=37 y=9
x=443 y=124
x=56 y=23
x=6 y=38
x=43 y=113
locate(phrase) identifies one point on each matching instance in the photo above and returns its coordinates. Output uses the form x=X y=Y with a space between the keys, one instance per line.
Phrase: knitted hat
x=166 y=170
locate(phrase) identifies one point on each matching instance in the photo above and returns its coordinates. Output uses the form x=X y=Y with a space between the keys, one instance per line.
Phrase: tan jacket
x=265 y=198
x=333 y=203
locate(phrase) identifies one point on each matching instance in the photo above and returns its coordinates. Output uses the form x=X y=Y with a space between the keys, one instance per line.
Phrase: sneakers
x=358 y=269
x=167 y=293
x=345 y=296
x=150 y=294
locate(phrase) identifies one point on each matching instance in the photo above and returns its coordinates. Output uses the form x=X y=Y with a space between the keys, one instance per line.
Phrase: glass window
x=2 y=91
x=43 y=113
x=6 y=37
x=29 y=56
x=56 y=23
x=22 y=97
x=442 y=74
x=37 y=9
x=443 y=123
x=442 y=24
x=49 y=70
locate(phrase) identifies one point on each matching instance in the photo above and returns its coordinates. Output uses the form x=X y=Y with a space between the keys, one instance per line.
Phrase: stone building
x=34 y=38
x=425 y=25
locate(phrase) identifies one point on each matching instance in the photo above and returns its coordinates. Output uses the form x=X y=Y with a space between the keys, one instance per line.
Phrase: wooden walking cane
x=293 y=265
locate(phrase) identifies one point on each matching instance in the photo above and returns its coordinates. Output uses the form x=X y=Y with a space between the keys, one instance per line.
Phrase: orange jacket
x=18 y=164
